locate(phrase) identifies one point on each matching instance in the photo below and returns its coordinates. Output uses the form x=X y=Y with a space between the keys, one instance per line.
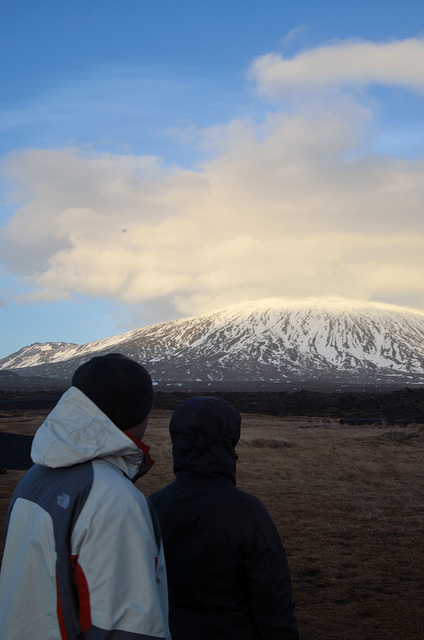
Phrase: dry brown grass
x=348 y=503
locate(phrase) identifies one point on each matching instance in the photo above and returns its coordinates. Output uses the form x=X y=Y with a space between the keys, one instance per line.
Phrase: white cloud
x=342 y=64
x=294 y=205
x=280 y=210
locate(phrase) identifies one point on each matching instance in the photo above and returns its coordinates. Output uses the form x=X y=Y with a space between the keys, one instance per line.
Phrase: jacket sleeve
x=269 y=582
x=119 y=566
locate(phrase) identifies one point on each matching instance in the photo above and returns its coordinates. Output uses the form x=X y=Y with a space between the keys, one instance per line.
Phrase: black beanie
x=119 y=386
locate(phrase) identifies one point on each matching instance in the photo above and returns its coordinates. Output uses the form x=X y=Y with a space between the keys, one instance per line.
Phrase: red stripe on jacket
x=83 y=596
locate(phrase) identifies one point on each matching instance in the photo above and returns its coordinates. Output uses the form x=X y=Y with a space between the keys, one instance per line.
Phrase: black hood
x=204 y=432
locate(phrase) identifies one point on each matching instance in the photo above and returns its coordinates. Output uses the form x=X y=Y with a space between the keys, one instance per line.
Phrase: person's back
x=228 y=576
x=83 y=557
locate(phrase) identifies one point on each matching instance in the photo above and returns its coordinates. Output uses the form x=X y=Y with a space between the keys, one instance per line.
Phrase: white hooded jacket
x=83 y=555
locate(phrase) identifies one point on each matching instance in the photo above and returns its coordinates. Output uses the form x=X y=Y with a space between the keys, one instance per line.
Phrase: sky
x=166 y=158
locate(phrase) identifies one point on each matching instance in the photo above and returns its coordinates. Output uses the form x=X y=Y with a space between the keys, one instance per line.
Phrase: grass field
x=348 y=502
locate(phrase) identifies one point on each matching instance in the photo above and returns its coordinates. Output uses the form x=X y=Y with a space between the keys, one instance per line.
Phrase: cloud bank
x=342 y=64
x=293 y=205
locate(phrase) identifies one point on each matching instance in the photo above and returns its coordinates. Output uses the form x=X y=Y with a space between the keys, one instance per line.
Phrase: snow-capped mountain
x=270 y=341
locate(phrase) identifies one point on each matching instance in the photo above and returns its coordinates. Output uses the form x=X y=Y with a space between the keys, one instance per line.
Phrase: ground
x=347 y=501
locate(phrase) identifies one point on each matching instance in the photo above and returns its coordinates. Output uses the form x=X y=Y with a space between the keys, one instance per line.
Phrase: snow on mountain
x=268 y=340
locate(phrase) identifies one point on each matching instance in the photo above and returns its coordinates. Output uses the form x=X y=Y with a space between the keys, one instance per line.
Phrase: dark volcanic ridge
x=399 y=408
x=17 y=381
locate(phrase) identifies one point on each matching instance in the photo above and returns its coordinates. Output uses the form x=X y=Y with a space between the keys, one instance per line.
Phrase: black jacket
x=228 y=575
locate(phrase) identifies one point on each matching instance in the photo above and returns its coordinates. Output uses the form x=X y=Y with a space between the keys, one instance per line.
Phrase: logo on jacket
x=63 y=500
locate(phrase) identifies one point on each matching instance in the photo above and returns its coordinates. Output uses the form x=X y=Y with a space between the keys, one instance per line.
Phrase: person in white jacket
x=83 y=555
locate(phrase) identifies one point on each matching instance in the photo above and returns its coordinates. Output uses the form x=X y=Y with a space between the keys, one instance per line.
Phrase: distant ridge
x=276 y=343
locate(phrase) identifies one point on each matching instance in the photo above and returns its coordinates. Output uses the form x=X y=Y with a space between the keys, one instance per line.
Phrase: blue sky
x=163 y=158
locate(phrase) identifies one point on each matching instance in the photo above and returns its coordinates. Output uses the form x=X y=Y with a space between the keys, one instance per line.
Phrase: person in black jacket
x=228 y=575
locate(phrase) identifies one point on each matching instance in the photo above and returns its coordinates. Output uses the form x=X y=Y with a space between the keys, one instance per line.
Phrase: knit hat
x=119 y=386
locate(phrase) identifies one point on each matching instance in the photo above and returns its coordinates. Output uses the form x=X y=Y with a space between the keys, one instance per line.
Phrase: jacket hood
x=204 y=433
x=77 y=431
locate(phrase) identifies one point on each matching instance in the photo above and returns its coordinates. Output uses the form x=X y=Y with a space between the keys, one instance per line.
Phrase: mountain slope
x=268 y=340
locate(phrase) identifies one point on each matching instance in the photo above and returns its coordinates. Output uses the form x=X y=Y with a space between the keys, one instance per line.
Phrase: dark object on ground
x=352 y=421
x=15 y=451
x=394 y=406
x=401 y=406
x=46 y=402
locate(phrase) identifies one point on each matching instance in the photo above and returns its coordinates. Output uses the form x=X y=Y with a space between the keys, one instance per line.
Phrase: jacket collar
x=77 y=431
